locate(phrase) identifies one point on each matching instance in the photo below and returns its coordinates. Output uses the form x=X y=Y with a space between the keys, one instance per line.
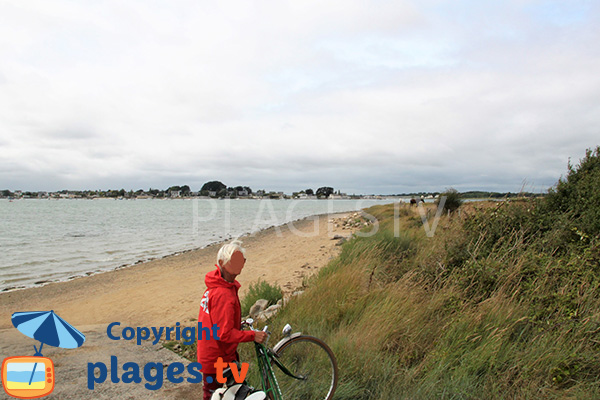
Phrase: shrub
x=453 y=200
x=578 y=196
x=260 y=290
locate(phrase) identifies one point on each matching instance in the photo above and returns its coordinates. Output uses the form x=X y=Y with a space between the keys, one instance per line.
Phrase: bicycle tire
x=310 y=358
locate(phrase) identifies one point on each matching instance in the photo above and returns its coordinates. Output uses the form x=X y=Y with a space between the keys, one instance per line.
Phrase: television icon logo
x=32 y=377
x=28 y=377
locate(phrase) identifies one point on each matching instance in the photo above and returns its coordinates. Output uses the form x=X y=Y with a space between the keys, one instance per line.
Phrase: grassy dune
x=502 y=302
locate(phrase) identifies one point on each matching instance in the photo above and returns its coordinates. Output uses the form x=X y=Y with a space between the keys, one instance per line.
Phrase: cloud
x=375 y=97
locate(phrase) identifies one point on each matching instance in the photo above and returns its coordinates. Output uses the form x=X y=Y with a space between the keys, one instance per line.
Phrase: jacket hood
x=214 y=280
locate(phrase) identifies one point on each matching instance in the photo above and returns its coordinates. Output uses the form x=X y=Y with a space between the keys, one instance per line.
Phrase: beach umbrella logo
x=32 y=377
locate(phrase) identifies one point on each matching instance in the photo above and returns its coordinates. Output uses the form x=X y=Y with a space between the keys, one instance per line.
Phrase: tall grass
x=503 y=302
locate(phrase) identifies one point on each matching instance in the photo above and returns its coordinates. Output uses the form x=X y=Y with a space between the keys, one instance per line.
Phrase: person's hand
x=260 y=337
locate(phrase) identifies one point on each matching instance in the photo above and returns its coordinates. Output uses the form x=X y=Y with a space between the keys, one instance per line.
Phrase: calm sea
x=53 y=240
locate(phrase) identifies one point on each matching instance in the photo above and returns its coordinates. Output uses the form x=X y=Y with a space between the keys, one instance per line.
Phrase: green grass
x=503 y=302
x=260 y=290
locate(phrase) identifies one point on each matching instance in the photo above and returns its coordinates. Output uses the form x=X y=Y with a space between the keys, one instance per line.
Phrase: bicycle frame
x=268 y=379
x=267 y=376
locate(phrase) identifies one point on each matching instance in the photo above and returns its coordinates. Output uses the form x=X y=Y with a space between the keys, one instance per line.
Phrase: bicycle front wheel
x=312 y=371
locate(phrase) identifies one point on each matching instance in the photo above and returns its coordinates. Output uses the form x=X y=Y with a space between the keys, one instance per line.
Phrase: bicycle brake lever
x=248 y=323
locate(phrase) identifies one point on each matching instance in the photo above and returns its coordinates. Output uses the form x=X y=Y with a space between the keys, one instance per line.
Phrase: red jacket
x=220 y=305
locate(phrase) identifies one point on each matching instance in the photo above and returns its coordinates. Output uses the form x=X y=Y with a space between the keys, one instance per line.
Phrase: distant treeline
x=476 y=194
x=219 y=190
x=214 y=189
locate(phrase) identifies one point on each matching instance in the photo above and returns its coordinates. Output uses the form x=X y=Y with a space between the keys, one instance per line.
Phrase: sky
x=364 y=96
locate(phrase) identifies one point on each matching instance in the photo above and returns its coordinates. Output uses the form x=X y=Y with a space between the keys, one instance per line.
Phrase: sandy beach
x=161 y=292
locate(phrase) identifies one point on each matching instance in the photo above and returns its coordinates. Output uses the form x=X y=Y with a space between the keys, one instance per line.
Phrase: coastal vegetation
x=213 y=186
x=477 y=194
x=260 y=290
x=324 y=191
x=452 y=200
x=503 y=301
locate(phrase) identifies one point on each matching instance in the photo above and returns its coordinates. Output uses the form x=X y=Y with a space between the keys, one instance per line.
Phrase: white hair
x=227 y=250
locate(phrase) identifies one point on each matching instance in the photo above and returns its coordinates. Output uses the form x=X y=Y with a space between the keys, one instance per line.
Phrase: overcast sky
x=365 y=96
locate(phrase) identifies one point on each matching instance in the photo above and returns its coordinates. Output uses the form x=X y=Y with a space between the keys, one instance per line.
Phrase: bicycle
x=306 y=367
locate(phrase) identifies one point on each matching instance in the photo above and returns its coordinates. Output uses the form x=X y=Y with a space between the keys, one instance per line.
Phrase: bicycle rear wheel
x=311 y=360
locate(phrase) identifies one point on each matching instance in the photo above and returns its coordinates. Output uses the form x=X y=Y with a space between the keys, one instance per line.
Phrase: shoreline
x=104 y=290
x=86 y=274
x=162 y=292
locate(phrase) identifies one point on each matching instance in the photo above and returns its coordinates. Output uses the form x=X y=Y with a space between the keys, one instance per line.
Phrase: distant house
x=276 y=195
x=243 y=193
x=212 y=193
x=338 y=196
x=175 y=193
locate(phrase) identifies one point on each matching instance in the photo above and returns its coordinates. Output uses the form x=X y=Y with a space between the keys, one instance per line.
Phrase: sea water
x=45 y=240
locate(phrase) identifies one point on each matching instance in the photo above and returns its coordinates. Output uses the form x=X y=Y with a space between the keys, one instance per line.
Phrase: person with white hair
x=220 y=306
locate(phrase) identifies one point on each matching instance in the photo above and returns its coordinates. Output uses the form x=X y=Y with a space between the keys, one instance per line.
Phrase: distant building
x=212 y=193
x=338 y=196
x=243 y=193
x=175 y=193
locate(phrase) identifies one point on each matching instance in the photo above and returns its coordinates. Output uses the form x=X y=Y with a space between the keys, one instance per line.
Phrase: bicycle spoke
x=312 y=366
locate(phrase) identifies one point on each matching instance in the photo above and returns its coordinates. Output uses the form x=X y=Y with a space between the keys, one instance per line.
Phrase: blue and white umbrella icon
x=48 y=328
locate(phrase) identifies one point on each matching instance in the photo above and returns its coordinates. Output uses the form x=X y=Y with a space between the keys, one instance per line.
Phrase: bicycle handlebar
x=250 y=324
